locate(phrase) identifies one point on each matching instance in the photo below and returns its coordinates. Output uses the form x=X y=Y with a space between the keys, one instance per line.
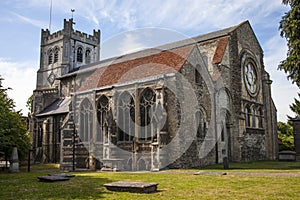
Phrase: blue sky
x=21 y=22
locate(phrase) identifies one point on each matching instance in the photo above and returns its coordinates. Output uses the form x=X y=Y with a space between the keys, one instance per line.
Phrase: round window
x=250 y=77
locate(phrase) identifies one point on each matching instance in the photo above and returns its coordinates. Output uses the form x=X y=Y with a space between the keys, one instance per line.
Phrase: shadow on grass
x=26 y=185
x=258 y=165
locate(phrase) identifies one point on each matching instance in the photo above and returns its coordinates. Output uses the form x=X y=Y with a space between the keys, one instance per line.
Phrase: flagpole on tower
x=50 y=17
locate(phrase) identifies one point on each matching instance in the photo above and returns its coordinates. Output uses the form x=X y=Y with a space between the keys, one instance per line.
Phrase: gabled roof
x=59 y=106
x=151 y=51
x=164 y=62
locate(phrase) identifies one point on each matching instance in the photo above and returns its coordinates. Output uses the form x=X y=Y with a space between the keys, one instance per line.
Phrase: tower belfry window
x=88 y=56
x=50 y=57
x=55 y=55
x=79 y=54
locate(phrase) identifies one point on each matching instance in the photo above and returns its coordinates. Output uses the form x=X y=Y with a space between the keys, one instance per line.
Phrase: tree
x=29 y=103
x=289 y=27
x=285 y=134
x=13 y=131
x=295 y=107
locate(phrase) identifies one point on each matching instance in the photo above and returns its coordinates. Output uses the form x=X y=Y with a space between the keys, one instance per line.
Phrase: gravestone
x=14 y=163
x=136 y=187
x=55 y=177
x=296 y=128
x=287 y=156
x=211 y=173
x=52 y=178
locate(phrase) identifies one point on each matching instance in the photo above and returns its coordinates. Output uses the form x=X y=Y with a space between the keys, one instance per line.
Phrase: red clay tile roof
x=220 y=50
x=164 y=62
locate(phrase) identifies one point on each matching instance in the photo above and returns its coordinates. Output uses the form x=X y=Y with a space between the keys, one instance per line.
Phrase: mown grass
x=173 y=184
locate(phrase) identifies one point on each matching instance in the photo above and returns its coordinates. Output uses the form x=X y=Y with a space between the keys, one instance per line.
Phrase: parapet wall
x=47 y=37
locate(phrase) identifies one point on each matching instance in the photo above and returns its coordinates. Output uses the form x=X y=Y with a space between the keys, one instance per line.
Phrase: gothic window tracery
x=55 y=55
x=253 y=118
x=260 y=118
x=79 y=54
x=201 y=125
x=248 y=116
x=103 y=112
x=50 y=57
x=87 y=56
x=86 y=120
x=147 y=100
x=126 y=117
x=251 y=77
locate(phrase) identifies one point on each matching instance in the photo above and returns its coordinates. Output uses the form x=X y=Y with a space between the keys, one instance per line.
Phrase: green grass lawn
x=173 y=184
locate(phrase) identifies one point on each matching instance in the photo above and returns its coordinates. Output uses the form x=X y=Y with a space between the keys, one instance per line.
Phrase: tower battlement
x=69 y=31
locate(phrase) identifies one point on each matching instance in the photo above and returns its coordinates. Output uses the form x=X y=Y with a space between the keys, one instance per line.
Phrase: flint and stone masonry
x=186 y=104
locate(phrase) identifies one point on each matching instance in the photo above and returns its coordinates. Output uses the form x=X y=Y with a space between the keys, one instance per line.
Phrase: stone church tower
x=189 y=103
x=61 y=53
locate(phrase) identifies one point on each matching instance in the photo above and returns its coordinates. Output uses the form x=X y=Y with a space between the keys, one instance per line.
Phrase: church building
x=185 y=104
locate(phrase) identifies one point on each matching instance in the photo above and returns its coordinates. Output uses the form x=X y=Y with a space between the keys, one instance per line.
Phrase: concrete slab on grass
x=136 y=187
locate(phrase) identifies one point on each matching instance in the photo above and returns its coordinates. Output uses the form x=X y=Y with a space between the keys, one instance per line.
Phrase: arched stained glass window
x=86 y=120
x=126 y=117
x=147 y=100
x=103 y=112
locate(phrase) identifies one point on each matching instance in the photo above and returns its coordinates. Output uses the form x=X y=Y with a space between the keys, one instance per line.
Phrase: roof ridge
x=158 y=49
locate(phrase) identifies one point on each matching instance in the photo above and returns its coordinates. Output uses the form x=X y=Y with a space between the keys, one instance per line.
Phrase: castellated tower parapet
x=65 y=51
x=68 y=31
x=62 y=52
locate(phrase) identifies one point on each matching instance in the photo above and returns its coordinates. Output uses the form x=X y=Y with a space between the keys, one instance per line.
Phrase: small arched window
x=79 y=54
x=50 y=57
x=87 y=56
x=260 y=118
x=248 y=116
x=55 y=55
x=253 y=118
x=197 y=77
x=201 y=125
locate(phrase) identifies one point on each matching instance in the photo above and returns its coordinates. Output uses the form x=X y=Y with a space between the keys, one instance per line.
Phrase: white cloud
x=34 y=22
x=129 y=44
x=21 y=77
